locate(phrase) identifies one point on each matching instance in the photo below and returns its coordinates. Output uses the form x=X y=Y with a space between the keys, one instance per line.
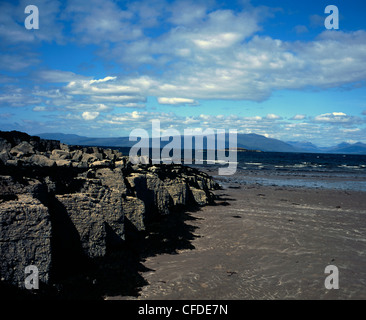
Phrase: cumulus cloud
x=18 y=97
x=336 y=117
x=298 y=117
x=101 y=21
x=12 y=16
x=249 y=70
x=39 y=109
x=87 y=115
x=176 y=101
x=190 y=50
x=203 y=53
x=272 y=116
x=58 y=76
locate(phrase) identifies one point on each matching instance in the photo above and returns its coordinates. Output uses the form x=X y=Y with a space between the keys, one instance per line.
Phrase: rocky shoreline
x=62 y=207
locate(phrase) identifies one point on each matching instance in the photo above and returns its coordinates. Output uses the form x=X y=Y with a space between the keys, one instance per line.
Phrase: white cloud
x=351 y=130
x=56 y=76
x=336 y=117
x=211 y=54
x=121 y=99
x=221 y=40
x=272 y=116
x=240 y=70
x=175 y=101
x=102 y=80
x=100 y=87
x=129 y=105
x=12 y=19
x=39 y=109
x=298 y=117
x=87 y=115
x=18 y=98
x=101 y=22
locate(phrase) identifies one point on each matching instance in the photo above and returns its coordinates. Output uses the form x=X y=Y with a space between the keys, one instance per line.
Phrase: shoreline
x=266 y=242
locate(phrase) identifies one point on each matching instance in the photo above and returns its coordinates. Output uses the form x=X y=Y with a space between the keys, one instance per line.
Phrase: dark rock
x=4 y=156
x=25 y=239
x=64 y=203
x=4 y=145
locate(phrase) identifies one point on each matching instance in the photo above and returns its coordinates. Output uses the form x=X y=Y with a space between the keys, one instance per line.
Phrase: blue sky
x=102 y=68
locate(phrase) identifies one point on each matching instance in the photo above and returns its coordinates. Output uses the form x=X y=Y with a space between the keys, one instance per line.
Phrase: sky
x=101 y=68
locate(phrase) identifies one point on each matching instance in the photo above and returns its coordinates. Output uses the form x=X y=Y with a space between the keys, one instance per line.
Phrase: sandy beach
x=266 y=242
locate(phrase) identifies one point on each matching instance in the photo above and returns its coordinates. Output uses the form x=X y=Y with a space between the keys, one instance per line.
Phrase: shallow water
x=306 y=170
x=325 y=182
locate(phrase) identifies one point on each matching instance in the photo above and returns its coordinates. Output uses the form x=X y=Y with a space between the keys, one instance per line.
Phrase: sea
x=310 y=170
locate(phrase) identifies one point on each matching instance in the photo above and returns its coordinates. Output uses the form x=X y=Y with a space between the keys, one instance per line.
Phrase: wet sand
x=266 y=242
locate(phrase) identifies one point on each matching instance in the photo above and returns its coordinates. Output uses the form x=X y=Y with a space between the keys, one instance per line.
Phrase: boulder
x=101 y=164
x=109 y=154
x=87 y=200
x=60 y=155
x=199 y=196
x=22 y=149
x=97 y=215
x=63 y=163
x=41 y=161
x=4 y=156
x=76 y=155
x=88 y=158
x=135 y=212
x=25 y=239
x=5 y=145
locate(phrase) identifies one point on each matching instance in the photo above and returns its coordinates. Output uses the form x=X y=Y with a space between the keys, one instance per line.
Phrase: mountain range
x=247 y=141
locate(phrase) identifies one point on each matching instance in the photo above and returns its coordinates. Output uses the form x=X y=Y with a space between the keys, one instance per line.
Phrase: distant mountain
x=74 y=139
x=356 y=148
x=344 y=147
x=254 y=141
x=304 y=146
x=247 y=141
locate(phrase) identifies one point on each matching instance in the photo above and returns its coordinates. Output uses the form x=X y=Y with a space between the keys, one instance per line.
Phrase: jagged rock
x=178 y=191
x=199 y=196
x=60 y=155
x=25 y=239
x=12 y=162
x=4 y=145
x=95 y=219
x=4 y=156
x=120 y=163
x=101 y=164
x=118 y=154
x=84 y=198
x=110 y=155
x=63 y=163
x=113 y=178
x=64 y=147
x=22 y=149
x=76 y=155
x=41 y=160
x=135 y=211
x=88 y=158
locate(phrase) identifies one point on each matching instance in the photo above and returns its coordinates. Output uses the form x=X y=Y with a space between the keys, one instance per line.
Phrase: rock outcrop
x=58 y=202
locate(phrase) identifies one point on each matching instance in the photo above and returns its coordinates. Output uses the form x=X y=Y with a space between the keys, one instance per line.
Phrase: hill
x=250 y=141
